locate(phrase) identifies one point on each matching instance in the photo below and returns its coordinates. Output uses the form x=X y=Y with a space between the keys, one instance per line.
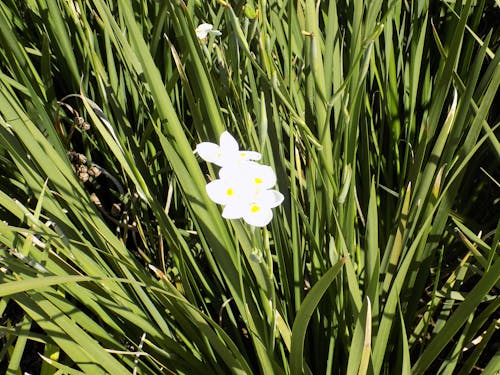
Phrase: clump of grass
x=377 y=118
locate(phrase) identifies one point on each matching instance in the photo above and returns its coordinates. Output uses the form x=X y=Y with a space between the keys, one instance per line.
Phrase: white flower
x=259 y=177
x=257 y=211
x=204 y=29
x=244 y=186
x=228 y=191
x=226 y=153
x=244 y=190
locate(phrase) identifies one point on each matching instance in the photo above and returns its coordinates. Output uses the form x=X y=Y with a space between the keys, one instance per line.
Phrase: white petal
x=260 y=218
x=268 y=177
x=226 y=172
x=201 y=35
x=249 y=155
x=233 y=211
x=269 y=198
x=237 y=172
x=209 y=151
x=230 y=191
x=203 y=29
x=262 y=176
x=228 y=143
x=217 y=191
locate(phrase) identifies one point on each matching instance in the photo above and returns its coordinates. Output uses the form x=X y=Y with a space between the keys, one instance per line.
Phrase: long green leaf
x=304 y=315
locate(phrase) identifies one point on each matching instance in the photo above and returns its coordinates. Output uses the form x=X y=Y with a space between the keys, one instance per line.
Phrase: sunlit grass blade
x=458 y=318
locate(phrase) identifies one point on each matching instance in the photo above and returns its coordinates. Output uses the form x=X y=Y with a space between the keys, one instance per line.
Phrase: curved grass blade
x=304 y=315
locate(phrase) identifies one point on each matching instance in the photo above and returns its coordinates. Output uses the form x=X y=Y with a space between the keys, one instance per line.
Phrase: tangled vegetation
x=379 y=123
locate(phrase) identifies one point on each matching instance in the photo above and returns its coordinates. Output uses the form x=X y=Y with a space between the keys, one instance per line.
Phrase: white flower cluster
x=244 y=186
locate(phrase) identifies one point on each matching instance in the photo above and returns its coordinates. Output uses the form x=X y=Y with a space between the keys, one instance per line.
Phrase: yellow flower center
x=254 y=208
x=258 y=180
x=229 y=192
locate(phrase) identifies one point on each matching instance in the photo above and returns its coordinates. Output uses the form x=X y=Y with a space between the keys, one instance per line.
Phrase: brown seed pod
x=77 y=158
x=94 y=171
x=116 y=209
x=81 y=124
x=83 y=174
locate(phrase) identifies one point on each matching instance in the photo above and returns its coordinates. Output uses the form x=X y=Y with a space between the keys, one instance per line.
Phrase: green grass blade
x=304 y=315
x=458 y=318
